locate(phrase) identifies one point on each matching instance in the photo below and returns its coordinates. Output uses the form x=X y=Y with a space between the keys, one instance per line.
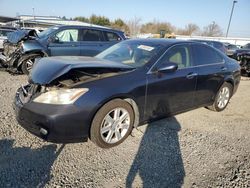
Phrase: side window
x=112 y=36
x=68 y=35
x=204 y=55
x=179 y=54
x=92 y=35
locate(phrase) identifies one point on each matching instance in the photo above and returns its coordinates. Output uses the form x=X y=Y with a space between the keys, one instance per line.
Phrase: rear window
x=92 y=35
x=204 y=55
x=112 y=36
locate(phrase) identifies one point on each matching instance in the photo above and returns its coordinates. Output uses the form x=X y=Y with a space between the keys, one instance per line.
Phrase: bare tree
x=212 y=30
x=190 y=29
x=134 y=25
x=157 y=27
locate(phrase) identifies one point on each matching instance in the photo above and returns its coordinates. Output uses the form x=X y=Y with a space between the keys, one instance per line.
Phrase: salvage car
x=24 y=46
x=71 y=99
x=231 y=49
x=3 y=35
x=245 y=63
x=239 y=52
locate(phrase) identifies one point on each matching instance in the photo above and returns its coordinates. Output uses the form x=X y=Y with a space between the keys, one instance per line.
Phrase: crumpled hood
x=18 y=35
x=50 y=68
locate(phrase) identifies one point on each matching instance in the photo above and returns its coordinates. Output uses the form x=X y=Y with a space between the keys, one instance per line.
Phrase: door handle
x=223 y=68
x=191 y=75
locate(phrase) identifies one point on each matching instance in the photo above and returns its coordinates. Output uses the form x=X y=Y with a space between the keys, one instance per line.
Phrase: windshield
x=46 y=32
x=133 y=53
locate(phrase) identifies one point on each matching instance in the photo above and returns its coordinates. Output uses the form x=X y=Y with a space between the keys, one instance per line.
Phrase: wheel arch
x=132 y=102
x=41 y=52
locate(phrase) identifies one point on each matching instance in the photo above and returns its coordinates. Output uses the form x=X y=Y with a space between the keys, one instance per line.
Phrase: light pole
x=230 y=17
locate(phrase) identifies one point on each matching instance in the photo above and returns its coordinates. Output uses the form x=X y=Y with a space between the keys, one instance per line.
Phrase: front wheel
x=112 y=124
x=27 y=62
x=222 y=98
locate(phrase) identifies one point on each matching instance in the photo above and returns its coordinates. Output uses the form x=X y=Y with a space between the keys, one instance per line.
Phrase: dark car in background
x=231 y=49
x=240 y=52
x=23 y=47
x=245 y=63
x=71 y=99
x=218 y=45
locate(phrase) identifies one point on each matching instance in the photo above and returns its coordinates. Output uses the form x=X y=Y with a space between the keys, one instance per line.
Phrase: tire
x=106 y=129
x=224 y=94
x=27 y=62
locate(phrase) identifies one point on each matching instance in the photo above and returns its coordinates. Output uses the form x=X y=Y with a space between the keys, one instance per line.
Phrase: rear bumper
x=63 y=123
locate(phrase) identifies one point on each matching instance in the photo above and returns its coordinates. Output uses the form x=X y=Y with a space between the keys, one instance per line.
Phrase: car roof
x=198 y=40
x=163 y=41
x=88 y=27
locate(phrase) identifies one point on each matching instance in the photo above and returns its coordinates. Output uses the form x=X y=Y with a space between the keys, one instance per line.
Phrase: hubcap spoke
x=118 y=134
x=109 y=136
x=106 y=129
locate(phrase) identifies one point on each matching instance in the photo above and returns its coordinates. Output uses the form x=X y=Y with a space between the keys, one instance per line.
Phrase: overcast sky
x=177 y=12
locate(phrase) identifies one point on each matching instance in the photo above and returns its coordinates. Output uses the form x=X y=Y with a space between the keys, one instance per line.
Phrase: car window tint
x=205 y=55
x=68 y=35
x=180 y=55
x=92 y=35
x=112 y=36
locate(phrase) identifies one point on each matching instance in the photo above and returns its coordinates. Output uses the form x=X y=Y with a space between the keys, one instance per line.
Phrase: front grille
x=30 y=91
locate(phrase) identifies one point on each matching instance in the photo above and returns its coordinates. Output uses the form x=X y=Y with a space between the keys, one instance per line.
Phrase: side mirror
x=54 y=39
x=168 y=67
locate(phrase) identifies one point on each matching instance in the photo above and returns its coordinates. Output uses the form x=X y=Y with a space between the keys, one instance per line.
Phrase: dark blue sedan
x=71 y=99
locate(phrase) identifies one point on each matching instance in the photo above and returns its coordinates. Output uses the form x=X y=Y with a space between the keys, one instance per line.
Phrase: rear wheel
x=222 y=98
x=27 y=62
x=112 y=124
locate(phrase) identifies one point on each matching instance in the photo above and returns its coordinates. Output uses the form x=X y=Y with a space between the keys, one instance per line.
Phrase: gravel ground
x=200 y=148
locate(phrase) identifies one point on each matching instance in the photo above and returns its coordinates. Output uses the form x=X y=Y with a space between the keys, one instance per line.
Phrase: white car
x=3 y=35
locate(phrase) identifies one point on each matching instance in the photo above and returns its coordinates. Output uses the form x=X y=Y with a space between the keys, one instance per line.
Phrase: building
x=43 y=22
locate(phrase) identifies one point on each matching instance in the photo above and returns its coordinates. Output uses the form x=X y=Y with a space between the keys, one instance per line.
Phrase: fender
x=31 y=45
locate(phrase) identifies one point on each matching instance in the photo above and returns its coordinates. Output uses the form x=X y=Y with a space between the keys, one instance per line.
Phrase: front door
x=170 y=93
x=66 y=43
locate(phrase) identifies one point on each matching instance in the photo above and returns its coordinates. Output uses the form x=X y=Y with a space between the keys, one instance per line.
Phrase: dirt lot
x=200 y=148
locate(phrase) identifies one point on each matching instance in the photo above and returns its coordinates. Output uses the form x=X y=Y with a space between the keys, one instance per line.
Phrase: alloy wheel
x=115 y=125
x=223 y=97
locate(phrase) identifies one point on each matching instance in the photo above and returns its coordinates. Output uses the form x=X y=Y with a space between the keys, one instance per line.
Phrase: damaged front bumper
x=53 y=123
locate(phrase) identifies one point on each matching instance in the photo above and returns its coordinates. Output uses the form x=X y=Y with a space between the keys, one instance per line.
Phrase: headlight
x=61 y=96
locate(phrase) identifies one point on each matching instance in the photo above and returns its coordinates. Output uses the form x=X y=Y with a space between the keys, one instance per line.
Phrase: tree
x=99 y=20
x=134 y=25
x=82 y=19
x=190 y=29
x=212 y=30
x=157 y=27
x=120 y=24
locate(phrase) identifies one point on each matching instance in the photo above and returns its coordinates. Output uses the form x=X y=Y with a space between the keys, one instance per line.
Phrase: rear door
x=92 y=42
x=211 y=69
x=67 y=42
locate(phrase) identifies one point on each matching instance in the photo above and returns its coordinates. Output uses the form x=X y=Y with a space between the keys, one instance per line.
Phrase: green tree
x=99 y=20
x=82 y=19
x=121 y=25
